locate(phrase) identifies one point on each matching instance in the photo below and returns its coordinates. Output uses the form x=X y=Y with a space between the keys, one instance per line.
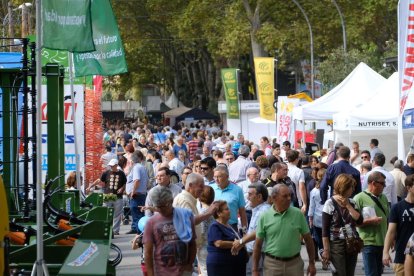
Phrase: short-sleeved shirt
x=113 y=182
x=409 y=249
x=188 y=201
x=297 y=176
x=177 y=148
x=282 y=231
x=373 y=234
x=256 y=213
x=333 y=230
x=233 y=195
x=170 y=253
x=138 y=172
x=216 y=232
x=175 y=190
x=402 y=214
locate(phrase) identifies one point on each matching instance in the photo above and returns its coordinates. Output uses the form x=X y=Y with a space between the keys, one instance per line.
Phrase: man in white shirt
x=174 y=163
x=298 y=177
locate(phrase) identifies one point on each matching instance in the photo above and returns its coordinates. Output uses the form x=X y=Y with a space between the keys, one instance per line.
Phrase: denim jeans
x=372 y=257
x=138 y=200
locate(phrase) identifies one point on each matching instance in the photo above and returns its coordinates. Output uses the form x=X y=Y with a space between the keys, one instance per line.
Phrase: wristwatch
x=241 y=241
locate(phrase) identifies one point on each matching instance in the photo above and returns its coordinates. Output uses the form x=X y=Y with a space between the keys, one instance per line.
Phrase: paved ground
x=131 y=262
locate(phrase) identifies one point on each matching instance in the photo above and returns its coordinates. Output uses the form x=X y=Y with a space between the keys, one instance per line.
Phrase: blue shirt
x=233 y=195
x=138 y=172
x=332 y=173
x=177 y=148
x=256 y=212
x=315 y=207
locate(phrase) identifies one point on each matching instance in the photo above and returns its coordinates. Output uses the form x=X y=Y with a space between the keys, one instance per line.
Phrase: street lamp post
x=342 y=23
x=311 y=47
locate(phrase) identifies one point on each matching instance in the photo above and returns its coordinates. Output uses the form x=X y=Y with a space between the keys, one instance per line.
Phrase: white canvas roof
x=378 y=112
x=172 y=101
x=354 y=90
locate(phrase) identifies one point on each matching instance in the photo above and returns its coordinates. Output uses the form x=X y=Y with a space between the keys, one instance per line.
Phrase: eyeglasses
x=380 y=182
x=204 y=168
x=364 y=157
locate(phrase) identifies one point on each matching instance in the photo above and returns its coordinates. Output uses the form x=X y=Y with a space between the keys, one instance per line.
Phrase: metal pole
x=342 y=22
x=24 y=20
x=11 y=22
x=275 y=88
x=239 y=100
x=72 y=97
x=311 y=47
x=39 y=266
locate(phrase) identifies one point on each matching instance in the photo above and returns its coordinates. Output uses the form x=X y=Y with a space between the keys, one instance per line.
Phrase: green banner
x=109 y=57
x=229 y=78
x=67 y=25
x=61 y=57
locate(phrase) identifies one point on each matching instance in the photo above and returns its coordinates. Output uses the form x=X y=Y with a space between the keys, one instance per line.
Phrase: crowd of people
x=233 y=207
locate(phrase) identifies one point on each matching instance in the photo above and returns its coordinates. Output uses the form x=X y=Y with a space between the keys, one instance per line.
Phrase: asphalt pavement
x=131 y=261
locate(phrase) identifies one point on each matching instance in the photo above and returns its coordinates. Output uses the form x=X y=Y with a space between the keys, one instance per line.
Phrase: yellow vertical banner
x=265 y=82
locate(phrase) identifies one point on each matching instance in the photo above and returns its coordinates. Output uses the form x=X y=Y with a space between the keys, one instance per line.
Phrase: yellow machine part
x=4 y=223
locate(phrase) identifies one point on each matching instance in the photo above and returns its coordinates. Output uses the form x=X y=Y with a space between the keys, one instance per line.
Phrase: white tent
x=355 y=89
x=172 y=101
x=375 y=118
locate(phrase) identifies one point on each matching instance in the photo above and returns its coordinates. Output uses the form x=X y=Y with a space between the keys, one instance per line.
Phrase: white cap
x=113 y=162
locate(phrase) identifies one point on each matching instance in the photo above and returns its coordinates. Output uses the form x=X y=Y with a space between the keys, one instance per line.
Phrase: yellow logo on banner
x=264 y=66
x=231 y=92
x=228 y=75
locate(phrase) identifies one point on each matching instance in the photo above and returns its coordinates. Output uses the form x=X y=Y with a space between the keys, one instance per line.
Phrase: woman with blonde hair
x=338 y=218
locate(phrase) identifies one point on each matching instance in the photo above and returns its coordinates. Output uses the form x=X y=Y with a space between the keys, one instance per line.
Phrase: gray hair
x=161 y=196
x=244 y=150
x=193 y=178
x=222 y=169
x=277 y=187
x=398 y=164
x=137 y=157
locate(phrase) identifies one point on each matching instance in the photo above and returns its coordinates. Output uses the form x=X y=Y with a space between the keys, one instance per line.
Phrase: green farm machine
x=77 y=231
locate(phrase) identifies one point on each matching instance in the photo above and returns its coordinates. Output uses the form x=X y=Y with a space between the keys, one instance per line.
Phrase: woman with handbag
x=221 y=259
x=341 y=243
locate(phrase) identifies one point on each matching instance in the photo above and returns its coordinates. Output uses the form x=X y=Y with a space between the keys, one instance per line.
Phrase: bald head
x=252 y=174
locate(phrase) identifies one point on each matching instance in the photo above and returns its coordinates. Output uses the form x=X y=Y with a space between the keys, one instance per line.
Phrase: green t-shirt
x=373 y=234
x=282 y=231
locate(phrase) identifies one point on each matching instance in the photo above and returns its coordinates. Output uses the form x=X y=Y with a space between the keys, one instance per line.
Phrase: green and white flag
x=67 y=25
x=109 y=56
x=229 y=78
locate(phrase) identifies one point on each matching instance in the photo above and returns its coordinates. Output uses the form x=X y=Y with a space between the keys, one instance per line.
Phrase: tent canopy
x=197 y=114
x=354 y=90
x=378 y=112
x=173 y=102
x=176 y=111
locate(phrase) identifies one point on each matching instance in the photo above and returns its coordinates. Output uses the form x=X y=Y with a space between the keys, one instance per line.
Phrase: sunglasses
x=204 y=168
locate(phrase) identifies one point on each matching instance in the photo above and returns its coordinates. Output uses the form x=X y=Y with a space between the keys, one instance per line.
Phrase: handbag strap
x=376 y=202
x=237 y=234
x=336 y=206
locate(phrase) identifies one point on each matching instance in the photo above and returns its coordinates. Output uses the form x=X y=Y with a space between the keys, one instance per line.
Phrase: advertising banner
x=67 y=25
x=229 y=78
x=265 y=82
x=109 y=57
x=284 y=119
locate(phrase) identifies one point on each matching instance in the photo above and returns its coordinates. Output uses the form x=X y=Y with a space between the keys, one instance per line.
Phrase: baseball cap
x=113 y=162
